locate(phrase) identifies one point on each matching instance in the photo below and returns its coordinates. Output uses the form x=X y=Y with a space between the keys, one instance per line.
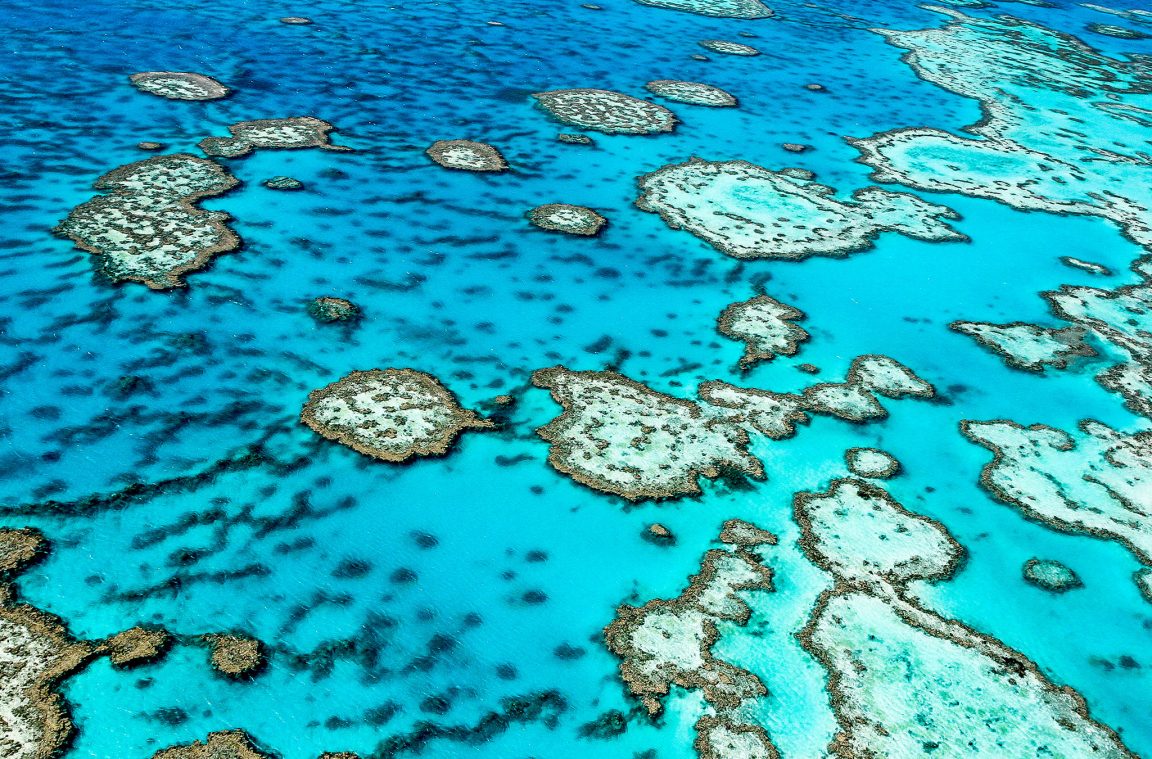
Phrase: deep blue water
x=452 y=280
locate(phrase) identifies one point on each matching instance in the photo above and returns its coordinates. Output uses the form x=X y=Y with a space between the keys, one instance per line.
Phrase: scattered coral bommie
x=235 y=655
x=328 y=309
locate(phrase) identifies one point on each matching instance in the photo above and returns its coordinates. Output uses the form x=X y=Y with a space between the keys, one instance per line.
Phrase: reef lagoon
x=638 y=379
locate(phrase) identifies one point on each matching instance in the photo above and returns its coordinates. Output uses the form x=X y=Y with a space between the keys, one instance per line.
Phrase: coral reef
x=606 y=111
x=667 y=643
x=573 y=220
x=621 y=437
x=235 y=655
x=137 y=645
x=147 y=227
x=693 y=93
x=1051 y=575
x=1046 y=97
x=389 y=414
x=226 y=744
x=765 y=326
x=872 y=463
x=729 y=48
x=1028 y=346
x=292 y=133
x=467 y=155
x=1098 y=483
x=36 y=654
x=726 y=738
x=178 y=85
x=1119 y=32
x=746 y=9
x=747 y=211
x=904 y=680
x=283 y=183
x=328 y=309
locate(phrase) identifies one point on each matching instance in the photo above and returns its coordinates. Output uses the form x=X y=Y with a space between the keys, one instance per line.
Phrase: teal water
x=452 y=280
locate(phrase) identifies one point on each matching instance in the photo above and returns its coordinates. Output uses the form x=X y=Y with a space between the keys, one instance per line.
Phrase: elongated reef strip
x=742 y=9
x=693 y=93
x=667 y=643
x=729 y=48
x=179 y=85
x=606 y=111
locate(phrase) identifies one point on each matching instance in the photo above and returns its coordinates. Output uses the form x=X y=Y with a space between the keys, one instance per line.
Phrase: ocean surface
x=391 y=595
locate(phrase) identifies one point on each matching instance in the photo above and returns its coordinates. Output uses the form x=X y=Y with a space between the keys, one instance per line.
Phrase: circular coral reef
x=561 y=217
x=390 y=414
x=467 y=155
x=871 y=462
x=235 y=655
x=329 y=309
x=1051 y=575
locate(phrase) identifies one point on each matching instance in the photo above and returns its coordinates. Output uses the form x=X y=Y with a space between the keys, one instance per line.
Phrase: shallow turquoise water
x=454 y=281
